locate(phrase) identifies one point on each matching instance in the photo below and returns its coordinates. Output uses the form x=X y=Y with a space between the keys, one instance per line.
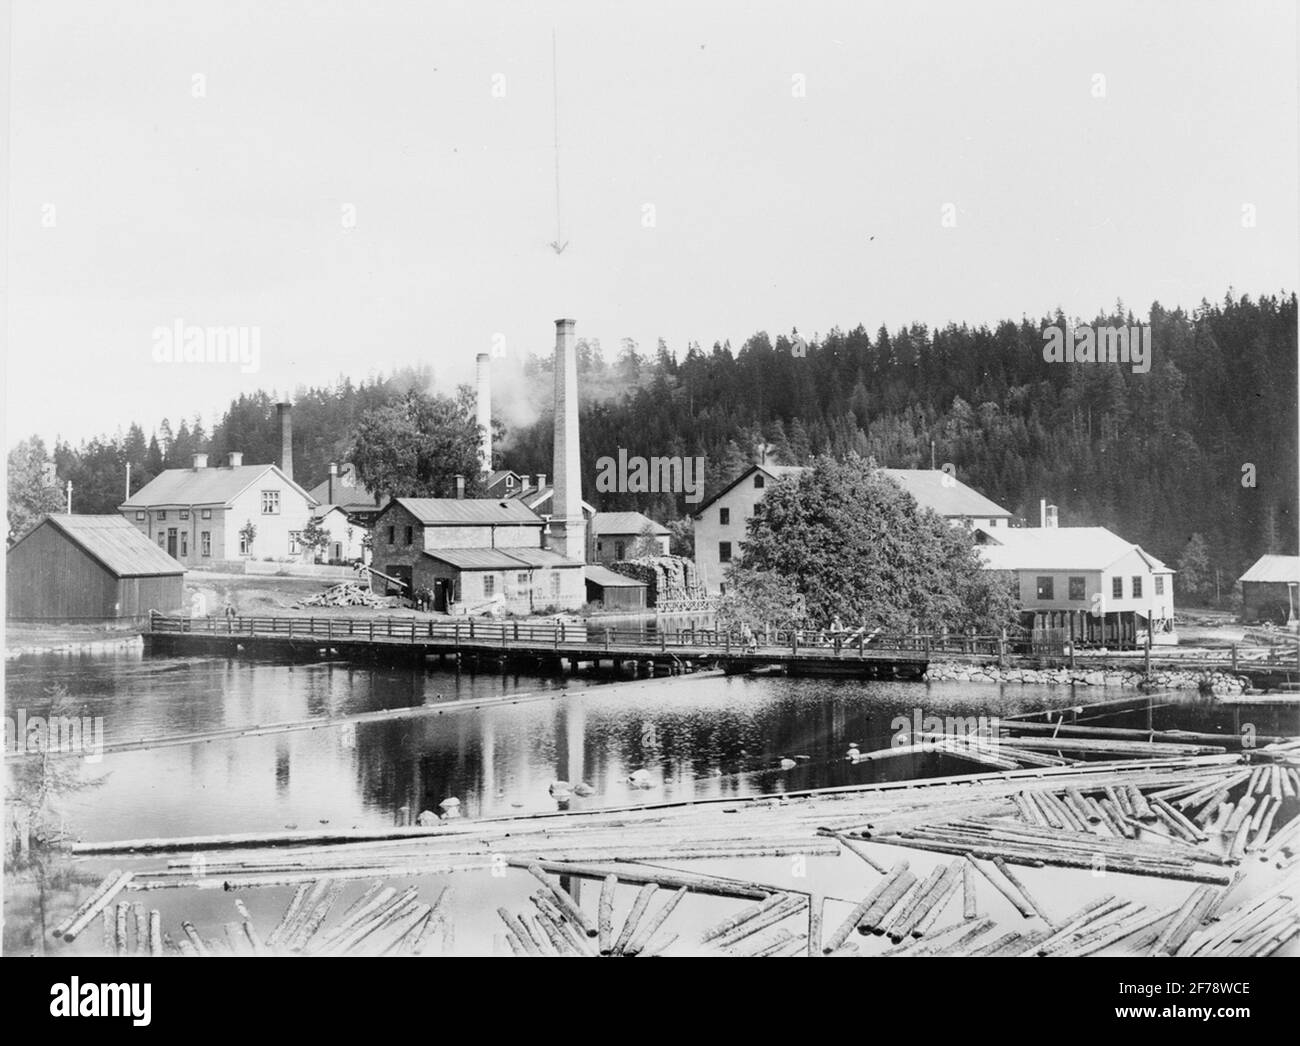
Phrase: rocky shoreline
x=962 y=672
x=91 y=646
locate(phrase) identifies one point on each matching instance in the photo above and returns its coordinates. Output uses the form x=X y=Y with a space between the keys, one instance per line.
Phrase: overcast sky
x=195 y=161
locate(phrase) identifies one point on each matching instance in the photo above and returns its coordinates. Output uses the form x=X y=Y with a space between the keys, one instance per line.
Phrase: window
x=1045 y=588
x=521 y=580
x=392 y=535
x=295 y=539
x=206 y=514
x=162 y=513
x=410 y=535
x=243 y=544
x=140 y=517
x=1137 y=587
x=993 y=522
x=1117 y=587
x=185 y=543
x=510 y=483
x=724 y=551
x=162 y=539
x=618 y=550
x=1160 y=584
x=1078 y=588
x=270 y=502
x=724 y=516
x=555 y=584
x=759 y=482
x=205 y=542
x=600 y=547
x=185 y=513
x=489 y=585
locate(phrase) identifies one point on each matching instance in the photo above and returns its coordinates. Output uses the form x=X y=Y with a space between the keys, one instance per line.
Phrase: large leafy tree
x=857 y=547
x=417 y=444
x=1195 y=577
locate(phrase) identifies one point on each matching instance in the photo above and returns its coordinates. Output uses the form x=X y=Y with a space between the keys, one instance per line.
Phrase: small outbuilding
x=1270 y=590
x=89 y=568
x=614 y=591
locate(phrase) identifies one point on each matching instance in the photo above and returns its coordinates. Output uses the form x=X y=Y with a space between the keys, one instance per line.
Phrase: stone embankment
x=1162 y=679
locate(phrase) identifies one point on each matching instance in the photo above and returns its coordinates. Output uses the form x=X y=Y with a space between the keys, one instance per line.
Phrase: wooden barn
x=89 y=568
x=614 y=591
x=1269 y=590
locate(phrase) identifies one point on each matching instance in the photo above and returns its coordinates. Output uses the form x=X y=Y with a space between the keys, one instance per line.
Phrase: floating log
x=605 y=918
x=94 y=907
x=141 y=918
x=944 y=892
x=900 y=925
x=1011 y=895
x=523 y=942
x=104 y=886
x=792 y=905
x=643 y=935
x=120 y=946
x=639 y=905
x=1001 y=866
x=707 y=884
x=970 y=908
x=565 y=903
x=290 y=913
x=855 y=917
x=753 y=911
x=894 y=890
x=857 y=851
x=815 y=906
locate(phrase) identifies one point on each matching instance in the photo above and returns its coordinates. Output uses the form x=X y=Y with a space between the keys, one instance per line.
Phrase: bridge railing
x=569 y=635
x=522 y=633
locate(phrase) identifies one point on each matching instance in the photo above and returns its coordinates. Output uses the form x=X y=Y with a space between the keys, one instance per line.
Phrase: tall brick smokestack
x=484 y=410
x=284 y=411
x=568 y=529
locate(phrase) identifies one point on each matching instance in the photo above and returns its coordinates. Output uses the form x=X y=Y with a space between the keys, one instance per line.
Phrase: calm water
x=695 y=737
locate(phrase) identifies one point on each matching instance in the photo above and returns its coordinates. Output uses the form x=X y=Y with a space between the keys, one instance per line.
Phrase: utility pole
x=69 y=497
x=128 y=482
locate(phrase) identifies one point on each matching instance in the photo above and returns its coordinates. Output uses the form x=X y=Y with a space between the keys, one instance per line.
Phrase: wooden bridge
x=860 y=653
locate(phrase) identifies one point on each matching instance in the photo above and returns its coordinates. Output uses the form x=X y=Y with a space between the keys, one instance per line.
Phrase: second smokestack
x=483 y=377
x=284 y=411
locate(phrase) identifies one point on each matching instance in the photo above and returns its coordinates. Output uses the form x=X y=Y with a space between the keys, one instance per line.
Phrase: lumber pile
x=347 y=594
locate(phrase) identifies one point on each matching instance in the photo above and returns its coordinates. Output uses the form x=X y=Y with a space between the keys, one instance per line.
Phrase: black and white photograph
x=683 y=480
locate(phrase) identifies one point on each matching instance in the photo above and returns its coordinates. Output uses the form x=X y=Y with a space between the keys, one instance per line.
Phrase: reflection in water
x=694 y=737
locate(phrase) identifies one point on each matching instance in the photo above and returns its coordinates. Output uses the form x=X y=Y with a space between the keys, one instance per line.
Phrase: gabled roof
x=932 y=488
x=321 y=511
x=350 y=493
x=945 y=494
x=205 y=486
x=512 y=558
x=113 y=542
x=625 y=523
x=606 y=578
x=1285 y=569
x=773 y=471
x=433 y=512
x=1058 y=548
x=539 y=498
x=500 y=475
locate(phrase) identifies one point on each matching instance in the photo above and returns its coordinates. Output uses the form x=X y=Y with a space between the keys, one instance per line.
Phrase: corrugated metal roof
x=463 y=511
x=1284 y=569
x=608 y=579
x=1058 y=548
x=624 y=523
x=206 y=486
x=945 y=494
x=117 y=544
x=513 y=558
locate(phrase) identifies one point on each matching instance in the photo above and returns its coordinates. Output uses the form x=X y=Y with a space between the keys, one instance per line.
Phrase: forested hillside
x=1156 y=456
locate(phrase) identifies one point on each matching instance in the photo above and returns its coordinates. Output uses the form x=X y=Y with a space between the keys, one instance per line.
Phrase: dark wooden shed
x=614 y=591
x=1270 y=590
x=89 y=568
